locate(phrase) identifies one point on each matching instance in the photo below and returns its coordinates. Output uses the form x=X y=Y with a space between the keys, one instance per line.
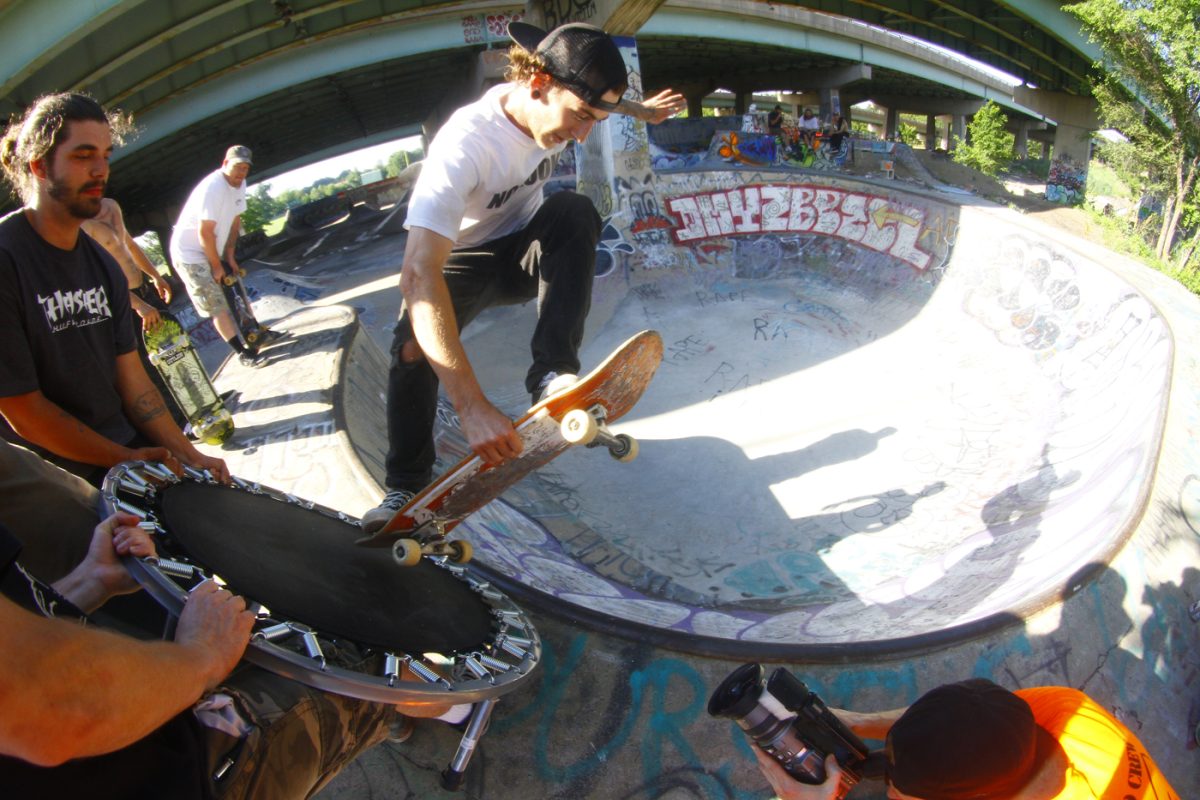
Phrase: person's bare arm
x=147 y=266
x=656 y=109
x=147 y=313
x=43 y=422
x=101 y=575
x=489 y=432
x=144 y=408
x=135 y=252
x=208 y=240
x=67 y=691
x=231 y=243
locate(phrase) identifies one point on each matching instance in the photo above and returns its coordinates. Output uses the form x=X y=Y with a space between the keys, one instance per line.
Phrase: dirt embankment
x=1019 y=191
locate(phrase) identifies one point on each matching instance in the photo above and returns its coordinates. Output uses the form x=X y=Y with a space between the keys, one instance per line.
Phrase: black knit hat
x=971 y=739
x=581 y=57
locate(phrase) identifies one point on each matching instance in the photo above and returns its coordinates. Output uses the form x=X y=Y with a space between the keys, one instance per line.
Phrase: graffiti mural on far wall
x=878 y=223
x=1066 y=182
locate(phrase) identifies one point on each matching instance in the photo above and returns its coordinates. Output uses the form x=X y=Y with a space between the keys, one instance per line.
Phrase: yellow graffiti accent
x=882 y=216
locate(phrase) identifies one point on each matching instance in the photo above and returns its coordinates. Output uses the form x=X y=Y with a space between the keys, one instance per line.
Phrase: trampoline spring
x=239 y=483
x=423 y=672
x=133 y=488
x=133 y=484
x=515 y=646
x=312 y=647
x=202 y=476
x=273 y=632
x=458 y=570
x=159 y=471
x=494 y=664
x=509 y=615
x=486 y=590
x=129 y=508
x=391 y=668
x=178 y=569
x=150 y=526
x=477 y=669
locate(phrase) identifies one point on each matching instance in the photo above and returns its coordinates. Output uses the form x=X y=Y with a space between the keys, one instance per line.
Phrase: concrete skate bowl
x=883 y=423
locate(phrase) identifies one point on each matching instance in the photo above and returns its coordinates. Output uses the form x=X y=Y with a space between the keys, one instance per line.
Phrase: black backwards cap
x=581 y=57
x=971 y=739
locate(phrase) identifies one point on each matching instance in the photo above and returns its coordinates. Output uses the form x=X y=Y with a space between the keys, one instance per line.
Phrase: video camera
x=791 y=723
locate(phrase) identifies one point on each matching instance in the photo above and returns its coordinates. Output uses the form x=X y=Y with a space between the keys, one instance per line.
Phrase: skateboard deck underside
x=615 y=386
x=184 y=375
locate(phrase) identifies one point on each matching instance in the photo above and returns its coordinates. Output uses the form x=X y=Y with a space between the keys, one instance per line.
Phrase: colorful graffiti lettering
x=755 y=149
x=1066 y=181
x=874 y=222
x=488 y=28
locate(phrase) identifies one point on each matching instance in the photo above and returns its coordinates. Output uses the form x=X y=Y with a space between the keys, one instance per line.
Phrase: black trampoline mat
x=305 y=567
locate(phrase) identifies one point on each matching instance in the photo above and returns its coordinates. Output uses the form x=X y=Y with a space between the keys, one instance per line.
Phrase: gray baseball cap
x=239 y=154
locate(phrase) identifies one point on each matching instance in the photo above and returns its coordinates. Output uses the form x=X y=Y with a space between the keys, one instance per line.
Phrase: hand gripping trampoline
x=332 y=615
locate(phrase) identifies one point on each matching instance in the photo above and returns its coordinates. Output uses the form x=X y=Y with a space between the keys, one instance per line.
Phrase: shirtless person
x=108 y=229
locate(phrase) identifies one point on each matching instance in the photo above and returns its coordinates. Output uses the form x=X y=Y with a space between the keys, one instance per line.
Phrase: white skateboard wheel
x=579 y=427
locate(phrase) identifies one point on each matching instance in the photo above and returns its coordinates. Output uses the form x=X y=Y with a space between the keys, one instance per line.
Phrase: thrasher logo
x=75 y=309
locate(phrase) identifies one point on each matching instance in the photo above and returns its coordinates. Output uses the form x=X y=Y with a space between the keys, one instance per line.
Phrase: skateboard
x=253 y=332
x=578 y=415
x=172 y=354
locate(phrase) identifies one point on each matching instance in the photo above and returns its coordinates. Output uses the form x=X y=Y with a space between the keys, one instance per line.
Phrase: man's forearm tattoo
x=147 y=406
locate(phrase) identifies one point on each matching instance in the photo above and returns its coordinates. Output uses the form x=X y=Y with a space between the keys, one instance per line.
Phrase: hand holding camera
x=796 y=733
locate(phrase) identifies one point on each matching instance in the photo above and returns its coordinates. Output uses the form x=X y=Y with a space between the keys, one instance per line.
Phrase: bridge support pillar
x=958 y=131
x=892 y=126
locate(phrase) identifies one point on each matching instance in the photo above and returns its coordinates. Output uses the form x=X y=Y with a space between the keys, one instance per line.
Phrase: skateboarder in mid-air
x=480 y=235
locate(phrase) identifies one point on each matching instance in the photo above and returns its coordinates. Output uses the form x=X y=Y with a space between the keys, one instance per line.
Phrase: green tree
x=1152 y=50
x=152 y=246
x=991 y=145
x=907 y=133
x=261 y=208
x=401 y=160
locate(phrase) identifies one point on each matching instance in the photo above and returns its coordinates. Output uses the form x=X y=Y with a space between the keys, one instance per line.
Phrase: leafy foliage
x=261 y=208
x=906 y=133
x=991 y=145
x=1149 y=90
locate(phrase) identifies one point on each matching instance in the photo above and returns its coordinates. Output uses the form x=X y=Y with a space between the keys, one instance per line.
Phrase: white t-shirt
x=482 y=178
x=213 y=198
x=810 y=124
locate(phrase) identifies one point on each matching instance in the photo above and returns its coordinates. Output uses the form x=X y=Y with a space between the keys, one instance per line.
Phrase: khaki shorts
x=206 y=295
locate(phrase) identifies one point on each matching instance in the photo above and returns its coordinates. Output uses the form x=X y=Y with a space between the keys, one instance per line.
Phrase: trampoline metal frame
x=292 y=649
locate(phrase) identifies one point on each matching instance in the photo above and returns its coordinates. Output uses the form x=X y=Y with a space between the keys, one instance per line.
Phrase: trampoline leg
x=452 y=776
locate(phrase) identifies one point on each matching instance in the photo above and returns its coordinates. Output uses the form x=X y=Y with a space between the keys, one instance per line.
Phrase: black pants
x=552 y=259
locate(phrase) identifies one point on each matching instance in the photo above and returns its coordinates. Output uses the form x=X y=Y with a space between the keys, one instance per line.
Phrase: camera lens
x=738 y=693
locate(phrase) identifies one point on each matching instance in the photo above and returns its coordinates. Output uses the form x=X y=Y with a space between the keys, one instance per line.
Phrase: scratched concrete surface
x=853 y=457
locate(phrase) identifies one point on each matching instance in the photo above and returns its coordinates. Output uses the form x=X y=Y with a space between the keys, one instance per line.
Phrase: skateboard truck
x=429 y=539
x=587 y=427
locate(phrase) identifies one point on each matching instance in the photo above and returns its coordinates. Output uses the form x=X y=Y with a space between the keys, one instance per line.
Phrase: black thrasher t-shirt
x=64 y=319
x=166 y=765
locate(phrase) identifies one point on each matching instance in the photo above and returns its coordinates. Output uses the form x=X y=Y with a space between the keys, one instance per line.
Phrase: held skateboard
x=172 y=354
x=253 y=332
x=575 y=416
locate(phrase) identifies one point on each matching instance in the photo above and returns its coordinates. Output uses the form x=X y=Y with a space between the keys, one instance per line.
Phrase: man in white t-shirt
x=480 y=235
x=809 y=125
x=206 y=231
